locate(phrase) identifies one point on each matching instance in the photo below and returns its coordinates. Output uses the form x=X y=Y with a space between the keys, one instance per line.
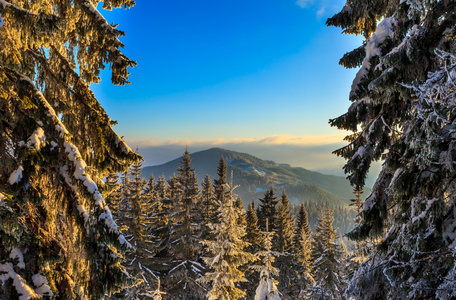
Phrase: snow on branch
x=4 y=4
x=79 y=165
x=384 y=30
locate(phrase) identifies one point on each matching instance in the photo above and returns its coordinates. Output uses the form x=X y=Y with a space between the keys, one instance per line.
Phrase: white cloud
x=303 y=3
x=321 y=11
x=272 y=140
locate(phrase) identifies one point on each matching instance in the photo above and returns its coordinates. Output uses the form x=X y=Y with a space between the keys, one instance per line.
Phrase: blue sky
x=231 y=73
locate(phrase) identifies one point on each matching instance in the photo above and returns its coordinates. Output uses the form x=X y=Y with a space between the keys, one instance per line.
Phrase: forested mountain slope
x=254 y=176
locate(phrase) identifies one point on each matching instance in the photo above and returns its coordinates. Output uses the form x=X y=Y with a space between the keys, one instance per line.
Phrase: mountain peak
x=254 y=176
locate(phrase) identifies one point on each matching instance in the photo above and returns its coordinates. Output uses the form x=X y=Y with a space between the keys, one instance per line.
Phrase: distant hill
x=254 y=176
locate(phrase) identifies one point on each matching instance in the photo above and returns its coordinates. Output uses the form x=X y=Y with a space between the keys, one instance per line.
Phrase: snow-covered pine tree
x=358 y=253
x=149 y=190
x=253 y=237
x=304 y=266
x=267 y=210
x=302 y=249
x=219 y=183
x=138 y=223
x=242 y=216
x=139 y=206
x=161 y=229
x=208 y=205
x=328 y=269
x=57 y=235
x=253 y=233
x=228 y=251
x=185 y=233
x=113 y=194
x=412 y=198
x=267 y=288
x=185 y=228
x=283 y=243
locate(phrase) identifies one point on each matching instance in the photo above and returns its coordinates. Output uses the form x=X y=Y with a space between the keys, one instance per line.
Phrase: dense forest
x=71 y=229
x=182 y=231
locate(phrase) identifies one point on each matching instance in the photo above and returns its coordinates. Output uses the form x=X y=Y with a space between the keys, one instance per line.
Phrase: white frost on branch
x=24 y=291
x=16 y=176
x=413 y=32
x=79 y=164
x=37 y=139
x=41 y=284
x=267 y=289
x=384 y=30
x=17 y=254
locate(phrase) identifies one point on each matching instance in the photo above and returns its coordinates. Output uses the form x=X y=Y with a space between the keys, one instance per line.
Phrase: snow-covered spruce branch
x=74 y=156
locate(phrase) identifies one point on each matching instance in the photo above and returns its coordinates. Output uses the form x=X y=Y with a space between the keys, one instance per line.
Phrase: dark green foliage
x=253 y=233
x=185 y=248
x=285 y=226
x=302 y=226
x=403 y=112
x=136 y=223
x=267 y=211
x=208 y=203
x=242 y=213
x=185 y=224
x=140 y=206
x=113 y=194
x=221 y=180
x=161 y=218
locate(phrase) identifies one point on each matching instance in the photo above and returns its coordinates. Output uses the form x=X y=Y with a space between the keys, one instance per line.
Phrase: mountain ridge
x=254 y=175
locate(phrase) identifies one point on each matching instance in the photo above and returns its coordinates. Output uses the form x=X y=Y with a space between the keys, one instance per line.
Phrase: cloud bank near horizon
x=273 y=140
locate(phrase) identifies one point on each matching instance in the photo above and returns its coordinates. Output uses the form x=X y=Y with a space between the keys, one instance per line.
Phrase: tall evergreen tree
x=253 y=233
x=267 y=212
x=185 y=233
x=357 y=205
x=149 y=189
x=139 y=205
x=138 y=223
x=285 y=226
x=161 y=229
x=113 y=194
x=219 y=183
x=283 y=243
x=402 y=102
x=242 y=216
x=207 y=196
x=304 y=267
x=228 y=250
x=56 y=145
x=302 y=226
x=329 y=281
x=185 y=241
x=267 y=288
x=359 y=251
